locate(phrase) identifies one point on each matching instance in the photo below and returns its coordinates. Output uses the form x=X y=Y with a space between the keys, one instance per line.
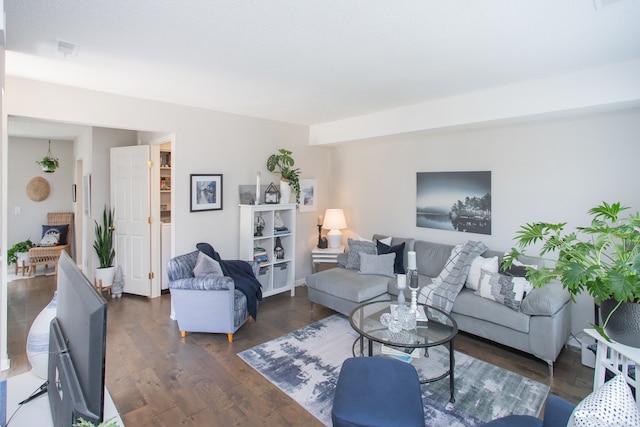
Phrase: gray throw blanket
x=444 y=289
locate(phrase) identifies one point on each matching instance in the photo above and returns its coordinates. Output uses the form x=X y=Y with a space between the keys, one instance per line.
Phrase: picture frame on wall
x=308 y=195
x=206 y=192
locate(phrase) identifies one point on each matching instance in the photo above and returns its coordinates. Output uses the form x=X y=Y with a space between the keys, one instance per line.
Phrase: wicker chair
x=49 y=255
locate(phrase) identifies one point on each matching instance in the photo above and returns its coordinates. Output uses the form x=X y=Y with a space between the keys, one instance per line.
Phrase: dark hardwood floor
x=157 y=378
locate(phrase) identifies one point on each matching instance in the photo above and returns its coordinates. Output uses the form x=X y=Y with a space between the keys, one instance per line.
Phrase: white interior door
x=130 y=198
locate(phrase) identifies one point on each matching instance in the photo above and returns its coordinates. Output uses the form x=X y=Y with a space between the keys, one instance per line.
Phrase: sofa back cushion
x=431 y=257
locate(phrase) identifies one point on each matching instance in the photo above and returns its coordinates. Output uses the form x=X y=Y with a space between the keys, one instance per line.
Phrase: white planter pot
x=22 y=256
x=106 y=275
x=285 y=192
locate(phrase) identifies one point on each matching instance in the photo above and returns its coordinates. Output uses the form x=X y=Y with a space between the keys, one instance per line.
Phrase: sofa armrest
x=545 y=301
x=209 y=282
x=557 y=412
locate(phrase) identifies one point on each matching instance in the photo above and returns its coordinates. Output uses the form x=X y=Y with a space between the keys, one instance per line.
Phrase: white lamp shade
x=334 y=220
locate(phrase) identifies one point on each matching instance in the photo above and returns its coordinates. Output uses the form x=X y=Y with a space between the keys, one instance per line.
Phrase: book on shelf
x=279 y=232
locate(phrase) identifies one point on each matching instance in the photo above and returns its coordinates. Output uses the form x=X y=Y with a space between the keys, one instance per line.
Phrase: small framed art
x=308 y=195
x=206 y=192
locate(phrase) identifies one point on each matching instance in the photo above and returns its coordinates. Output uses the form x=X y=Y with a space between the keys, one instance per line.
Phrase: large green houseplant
x=103 y=245
x=282 y=163
x=602 y=259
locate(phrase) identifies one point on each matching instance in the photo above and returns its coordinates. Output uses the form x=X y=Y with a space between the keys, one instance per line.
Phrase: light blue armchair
x=204 y=304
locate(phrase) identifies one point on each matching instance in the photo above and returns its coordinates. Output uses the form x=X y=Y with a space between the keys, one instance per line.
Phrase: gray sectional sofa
x=540 y=327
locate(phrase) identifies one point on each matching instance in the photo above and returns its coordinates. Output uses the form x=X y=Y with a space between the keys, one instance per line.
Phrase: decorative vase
x=624 y=324
x=38 y=339
x=106 y=275
x=285 y=191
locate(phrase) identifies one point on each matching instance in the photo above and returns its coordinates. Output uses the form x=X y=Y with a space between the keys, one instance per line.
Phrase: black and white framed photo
x=456 y=201
x=206 y=192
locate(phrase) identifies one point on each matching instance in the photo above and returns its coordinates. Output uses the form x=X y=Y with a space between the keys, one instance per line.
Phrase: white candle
x=411 y=263
x=258 y=188
x=402 y=281
x=319 y=219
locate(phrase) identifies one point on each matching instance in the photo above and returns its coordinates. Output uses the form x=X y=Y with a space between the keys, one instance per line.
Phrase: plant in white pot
x=103 y=245
x=282 y=163
x=602 y=259
x=18 y=251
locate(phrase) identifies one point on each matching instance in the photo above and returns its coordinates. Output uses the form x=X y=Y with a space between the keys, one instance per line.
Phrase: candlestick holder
x=322 y=242
x=412 y=279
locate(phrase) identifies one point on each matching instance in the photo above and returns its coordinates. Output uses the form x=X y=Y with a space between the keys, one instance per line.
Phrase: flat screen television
x=77 y=346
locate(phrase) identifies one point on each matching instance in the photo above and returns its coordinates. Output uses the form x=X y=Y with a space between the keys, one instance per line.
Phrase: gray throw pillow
x=381 y=265
x=206 y=265
x=355 y=248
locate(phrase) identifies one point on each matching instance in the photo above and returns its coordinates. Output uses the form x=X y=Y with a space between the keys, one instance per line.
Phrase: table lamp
x=334 y=222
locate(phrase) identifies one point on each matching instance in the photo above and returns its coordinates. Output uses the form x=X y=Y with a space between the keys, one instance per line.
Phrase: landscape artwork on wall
x=456 y=201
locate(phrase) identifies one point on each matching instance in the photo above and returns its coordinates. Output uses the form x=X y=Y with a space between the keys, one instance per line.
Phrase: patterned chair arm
x=208 y=282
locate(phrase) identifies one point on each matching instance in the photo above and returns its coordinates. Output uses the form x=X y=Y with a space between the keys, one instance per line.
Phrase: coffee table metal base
x=449 y=373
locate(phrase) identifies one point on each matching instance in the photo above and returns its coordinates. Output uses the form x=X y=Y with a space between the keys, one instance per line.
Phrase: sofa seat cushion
x=469 y=304
x=348 y=284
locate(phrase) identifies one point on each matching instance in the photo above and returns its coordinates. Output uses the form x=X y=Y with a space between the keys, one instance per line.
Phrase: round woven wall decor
x=38 y=189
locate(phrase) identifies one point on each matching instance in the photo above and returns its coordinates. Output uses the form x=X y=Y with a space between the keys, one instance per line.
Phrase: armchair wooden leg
x=183 y=334
x=230 y=337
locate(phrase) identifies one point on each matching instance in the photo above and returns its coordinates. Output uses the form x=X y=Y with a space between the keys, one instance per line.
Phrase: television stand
x=36 y=411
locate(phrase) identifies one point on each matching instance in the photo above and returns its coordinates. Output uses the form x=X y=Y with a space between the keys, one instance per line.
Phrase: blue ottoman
x=377 y=391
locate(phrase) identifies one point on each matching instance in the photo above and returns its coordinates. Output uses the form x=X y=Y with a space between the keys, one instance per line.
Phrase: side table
x=616 y=358
x=325 y=256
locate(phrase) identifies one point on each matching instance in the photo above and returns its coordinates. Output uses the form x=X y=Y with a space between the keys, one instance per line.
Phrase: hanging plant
x=49 y=163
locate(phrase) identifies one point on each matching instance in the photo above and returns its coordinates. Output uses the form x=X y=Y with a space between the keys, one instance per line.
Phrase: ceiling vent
x=67 y=48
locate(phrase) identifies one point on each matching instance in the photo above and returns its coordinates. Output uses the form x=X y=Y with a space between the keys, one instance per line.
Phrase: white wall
x=23 y=153
x=205 y=142
x=551 y=170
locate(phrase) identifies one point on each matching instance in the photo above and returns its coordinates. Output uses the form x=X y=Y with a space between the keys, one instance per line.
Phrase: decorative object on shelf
x=271 y=195
x=278 y=250
x=103 y=245
x=282 y=163
x=49 y=163
x=334 y=222
x=602 y=259
x=309 y=196
x=391 y=322
x=206 y=192
x=259 y=226
x=38 y=189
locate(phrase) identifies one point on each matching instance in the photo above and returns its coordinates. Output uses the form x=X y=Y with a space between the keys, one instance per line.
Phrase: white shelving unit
x=276 y=274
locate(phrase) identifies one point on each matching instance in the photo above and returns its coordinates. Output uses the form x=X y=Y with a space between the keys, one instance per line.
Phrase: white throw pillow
x=610 y=405
x=386 y=240
x=479 y=264
x=506 y=290
x=207 y=265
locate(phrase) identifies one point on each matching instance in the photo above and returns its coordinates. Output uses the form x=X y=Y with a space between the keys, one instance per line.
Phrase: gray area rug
x=305 y=364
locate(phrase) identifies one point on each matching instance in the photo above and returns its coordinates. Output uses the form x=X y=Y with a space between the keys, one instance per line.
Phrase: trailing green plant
x=103 y=244
x=85 y=423
x=50 y=164
x=12 y=253
x=282 y=163
x=602 y=259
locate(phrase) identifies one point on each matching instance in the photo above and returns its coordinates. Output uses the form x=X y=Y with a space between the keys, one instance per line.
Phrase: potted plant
x=602 y=259
x=49 y=164
x=17 y=250
x=103 y=246
x=282 y=163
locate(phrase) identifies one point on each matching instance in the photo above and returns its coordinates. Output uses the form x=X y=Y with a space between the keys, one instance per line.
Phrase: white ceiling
x=310 y=61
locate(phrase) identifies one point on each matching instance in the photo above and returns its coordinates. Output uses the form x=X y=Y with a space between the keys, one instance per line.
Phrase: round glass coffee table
x=439 y=329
